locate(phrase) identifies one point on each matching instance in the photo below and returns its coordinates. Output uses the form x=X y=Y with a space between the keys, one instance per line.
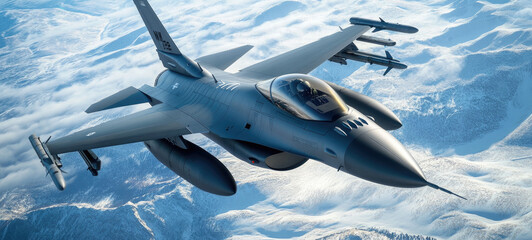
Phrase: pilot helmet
x=303 y=86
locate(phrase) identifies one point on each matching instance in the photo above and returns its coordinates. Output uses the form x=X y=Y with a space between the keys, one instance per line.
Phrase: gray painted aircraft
x=270 y=114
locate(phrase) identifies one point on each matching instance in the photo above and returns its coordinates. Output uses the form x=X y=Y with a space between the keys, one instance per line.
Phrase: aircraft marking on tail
x=168 y=51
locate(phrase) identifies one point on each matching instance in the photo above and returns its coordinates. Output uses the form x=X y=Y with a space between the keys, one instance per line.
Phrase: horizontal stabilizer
x=126 y=97
x=223 y=60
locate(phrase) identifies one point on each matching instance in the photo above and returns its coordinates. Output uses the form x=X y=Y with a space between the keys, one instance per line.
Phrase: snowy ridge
x=372 y=234
x=464 y=101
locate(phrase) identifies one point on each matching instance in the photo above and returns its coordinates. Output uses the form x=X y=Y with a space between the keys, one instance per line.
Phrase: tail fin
x=168 y=52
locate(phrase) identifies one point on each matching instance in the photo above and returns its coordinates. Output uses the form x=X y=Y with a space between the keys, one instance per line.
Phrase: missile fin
x=377 y=29
x=388 y=55
x=382 y=20
x=387 y=71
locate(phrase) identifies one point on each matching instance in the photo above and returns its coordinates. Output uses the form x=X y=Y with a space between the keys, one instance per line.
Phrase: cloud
x=59 y=60
x=60 y=86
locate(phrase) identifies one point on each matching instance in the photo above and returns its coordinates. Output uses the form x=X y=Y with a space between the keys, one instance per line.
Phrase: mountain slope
x=464 y=101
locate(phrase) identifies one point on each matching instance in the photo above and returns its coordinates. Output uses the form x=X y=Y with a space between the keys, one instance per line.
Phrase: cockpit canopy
x=303 y=96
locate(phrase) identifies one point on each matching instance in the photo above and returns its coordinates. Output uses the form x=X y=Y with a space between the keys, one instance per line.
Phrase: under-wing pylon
x=351 y=51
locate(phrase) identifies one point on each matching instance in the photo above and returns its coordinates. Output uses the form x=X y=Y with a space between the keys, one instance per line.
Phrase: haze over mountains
x=465 y=102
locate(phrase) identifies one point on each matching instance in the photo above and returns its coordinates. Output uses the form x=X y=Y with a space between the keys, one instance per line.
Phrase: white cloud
x=50 y=76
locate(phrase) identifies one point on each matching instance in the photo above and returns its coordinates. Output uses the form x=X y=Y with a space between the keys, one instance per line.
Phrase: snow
x=464 y=101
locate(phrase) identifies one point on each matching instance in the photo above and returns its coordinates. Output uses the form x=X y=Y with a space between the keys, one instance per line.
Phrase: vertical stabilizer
x=168 y=52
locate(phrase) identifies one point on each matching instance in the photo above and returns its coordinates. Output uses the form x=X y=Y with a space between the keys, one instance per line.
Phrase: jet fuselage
x=232 y=109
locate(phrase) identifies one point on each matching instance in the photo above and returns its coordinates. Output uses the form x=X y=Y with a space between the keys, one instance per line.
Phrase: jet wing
x=160 y=121
x=305 y=58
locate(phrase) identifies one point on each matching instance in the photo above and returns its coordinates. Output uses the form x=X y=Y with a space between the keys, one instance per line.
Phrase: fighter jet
x=271 y=114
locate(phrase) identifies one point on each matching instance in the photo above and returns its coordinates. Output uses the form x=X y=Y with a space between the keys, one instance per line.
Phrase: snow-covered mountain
x=465 y=102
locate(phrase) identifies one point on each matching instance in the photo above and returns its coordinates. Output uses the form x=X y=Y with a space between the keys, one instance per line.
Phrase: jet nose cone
x=378 y=157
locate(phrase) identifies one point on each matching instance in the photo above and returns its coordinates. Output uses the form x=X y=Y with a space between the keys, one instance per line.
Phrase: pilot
x=305 y=90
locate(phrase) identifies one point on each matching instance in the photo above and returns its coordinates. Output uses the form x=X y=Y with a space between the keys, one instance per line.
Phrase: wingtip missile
x=50 y=162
